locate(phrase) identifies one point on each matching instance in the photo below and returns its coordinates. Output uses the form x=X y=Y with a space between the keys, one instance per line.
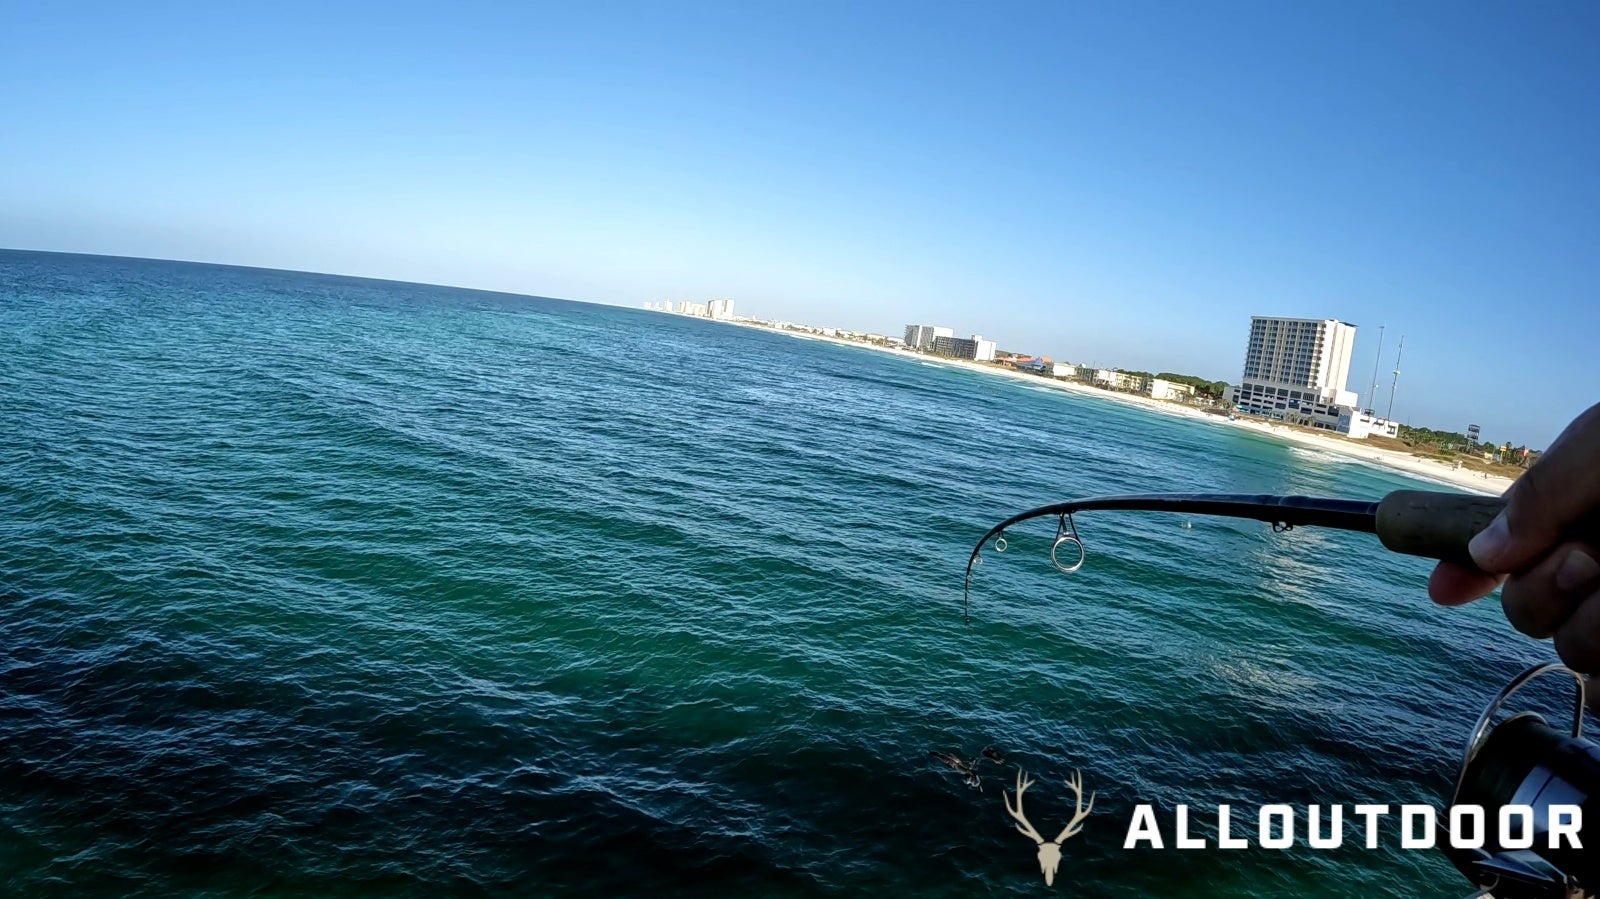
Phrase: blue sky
x=1117 y=183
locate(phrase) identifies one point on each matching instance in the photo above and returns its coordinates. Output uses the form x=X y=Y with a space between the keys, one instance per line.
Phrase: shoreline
x=1427 y=469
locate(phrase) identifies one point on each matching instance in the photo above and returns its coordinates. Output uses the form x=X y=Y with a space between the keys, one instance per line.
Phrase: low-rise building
x=1351 y=421
x=1111 y=379
x=1360 y=424
x=1063 y=370
x=1162 y=389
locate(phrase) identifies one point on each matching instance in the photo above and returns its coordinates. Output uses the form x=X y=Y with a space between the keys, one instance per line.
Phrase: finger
x=1578 y=638
x=1453 y=585
x=1538 y=600
x=1554 y=494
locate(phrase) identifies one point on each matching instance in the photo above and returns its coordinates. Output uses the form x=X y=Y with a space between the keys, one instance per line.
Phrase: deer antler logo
x=1049 y=853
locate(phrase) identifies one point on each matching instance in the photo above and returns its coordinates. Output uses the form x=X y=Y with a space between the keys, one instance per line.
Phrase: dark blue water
x=316 y=586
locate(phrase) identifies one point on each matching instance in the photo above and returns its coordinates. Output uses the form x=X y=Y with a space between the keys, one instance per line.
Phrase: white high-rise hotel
x=1295 y=370
x=943 y=342
x=921 y=337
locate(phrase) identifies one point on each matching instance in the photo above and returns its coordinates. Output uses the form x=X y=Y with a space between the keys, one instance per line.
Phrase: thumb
x=1560 y=489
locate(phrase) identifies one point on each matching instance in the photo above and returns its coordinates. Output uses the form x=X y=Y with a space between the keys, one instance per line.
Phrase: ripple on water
x=316 y=586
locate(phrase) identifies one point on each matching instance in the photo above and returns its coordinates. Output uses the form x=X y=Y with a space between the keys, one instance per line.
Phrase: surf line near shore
x=1427 y=469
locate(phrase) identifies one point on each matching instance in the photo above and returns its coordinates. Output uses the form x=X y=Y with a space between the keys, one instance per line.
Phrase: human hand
x=1552 y=582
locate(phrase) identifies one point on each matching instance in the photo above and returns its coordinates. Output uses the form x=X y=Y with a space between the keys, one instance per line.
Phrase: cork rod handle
x=1434 y=525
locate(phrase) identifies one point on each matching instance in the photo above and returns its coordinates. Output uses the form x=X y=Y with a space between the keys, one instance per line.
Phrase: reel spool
x=1543 y=778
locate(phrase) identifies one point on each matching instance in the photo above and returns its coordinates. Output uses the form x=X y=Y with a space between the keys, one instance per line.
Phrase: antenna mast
x=1396 y=383
x=1372 y=398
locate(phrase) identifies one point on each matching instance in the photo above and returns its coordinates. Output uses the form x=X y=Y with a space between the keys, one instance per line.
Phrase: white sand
x=1431 y=469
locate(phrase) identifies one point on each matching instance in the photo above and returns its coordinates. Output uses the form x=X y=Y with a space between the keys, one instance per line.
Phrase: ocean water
x=318 y=586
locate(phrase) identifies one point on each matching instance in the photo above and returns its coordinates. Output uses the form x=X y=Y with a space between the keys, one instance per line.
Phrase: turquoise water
x=316 y=586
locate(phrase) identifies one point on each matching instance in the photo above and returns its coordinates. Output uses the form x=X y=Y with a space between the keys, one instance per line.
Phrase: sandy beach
x=1430 y=469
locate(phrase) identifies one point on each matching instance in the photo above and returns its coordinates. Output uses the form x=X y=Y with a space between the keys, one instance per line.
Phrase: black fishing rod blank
x=1415 y=522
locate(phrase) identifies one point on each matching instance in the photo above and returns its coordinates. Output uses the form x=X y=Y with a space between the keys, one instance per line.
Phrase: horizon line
x=302 y=271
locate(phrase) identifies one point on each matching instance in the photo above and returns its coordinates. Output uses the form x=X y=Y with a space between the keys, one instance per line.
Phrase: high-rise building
x=1306 y=353
x=921 y=337
x=721 y=310
x=954 y=347
x=1295 y=369
x=974 y=347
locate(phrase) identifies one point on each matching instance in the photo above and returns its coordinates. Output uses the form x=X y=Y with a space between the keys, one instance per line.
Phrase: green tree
x=1202 y=386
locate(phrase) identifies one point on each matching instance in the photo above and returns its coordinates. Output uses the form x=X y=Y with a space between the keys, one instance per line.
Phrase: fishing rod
x=1415 y=522
x=1522 y=766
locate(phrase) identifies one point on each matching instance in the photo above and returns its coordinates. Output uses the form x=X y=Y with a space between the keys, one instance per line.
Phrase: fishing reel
x=1533 y=787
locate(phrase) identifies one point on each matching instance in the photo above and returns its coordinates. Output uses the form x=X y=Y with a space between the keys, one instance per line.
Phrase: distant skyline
x=1119 y=184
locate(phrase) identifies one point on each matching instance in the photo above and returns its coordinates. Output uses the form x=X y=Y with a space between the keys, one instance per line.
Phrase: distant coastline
x=1429 y=469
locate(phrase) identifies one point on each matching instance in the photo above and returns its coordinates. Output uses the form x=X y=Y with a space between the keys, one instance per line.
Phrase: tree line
x=1214 y=389
x=1453 y=440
